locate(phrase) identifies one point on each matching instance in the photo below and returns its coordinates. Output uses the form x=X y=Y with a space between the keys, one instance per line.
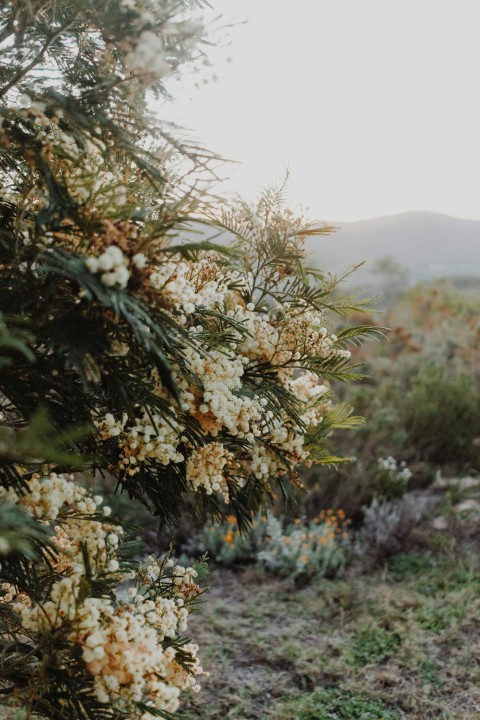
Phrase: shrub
x=314 y=549
x=227 y=545
x=391 y=479
x=352 y=486
x=310 y=549
x=387 y=526
x=440 y=415
x=421 y=401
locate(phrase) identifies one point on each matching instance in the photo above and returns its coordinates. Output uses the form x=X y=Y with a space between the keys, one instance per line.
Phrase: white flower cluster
x=153 y=437
x=205 y=468
x=261 y=340
x=265 y=459
x=187 y=285
x=86 y=179
x=313 y=394
x=125 y=646
x=156 y=53
x=113 y=266
x=305 y=335
x=149 y=56
x=122 y=648
x=220 y=405
x=58 y=499
x=307 y=387
x=217 y=407
x=122 y=644
x=218 y=401
x=400 y=471
x=50 y=494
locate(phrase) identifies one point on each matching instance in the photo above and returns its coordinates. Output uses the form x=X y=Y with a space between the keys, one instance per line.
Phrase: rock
x=440 y=523
x=467 y=506
x=469 y=482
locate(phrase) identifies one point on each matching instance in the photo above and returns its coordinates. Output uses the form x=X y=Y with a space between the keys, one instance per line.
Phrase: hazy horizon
x=405 y=212
x=427 y=245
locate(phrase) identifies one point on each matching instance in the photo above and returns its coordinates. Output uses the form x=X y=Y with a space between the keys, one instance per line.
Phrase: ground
x=401 y=641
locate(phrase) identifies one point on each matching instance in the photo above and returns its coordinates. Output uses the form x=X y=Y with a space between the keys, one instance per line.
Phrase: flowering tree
x=130 y=347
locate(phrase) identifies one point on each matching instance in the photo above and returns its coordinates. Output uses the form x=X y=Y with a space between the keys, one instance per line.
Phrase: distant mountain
x=428 y=245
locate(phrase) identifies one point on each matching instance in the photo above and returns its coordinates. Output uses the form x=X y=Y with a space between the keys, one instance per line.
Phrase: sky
x=372 y=105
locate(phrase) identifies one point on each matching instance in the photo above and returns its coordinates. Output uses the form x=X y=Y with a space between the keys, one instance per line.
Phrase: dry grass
x=402 y=642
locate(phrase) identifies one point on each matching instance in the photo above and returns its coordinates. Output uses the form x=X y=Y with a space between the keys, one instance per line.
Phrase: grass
x=332 y=704
x=400 y=643
x=373 y=646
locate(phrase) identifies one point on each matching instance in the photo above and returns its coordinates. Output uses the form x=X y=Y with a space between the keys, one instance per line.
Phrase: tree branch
x=38 y=58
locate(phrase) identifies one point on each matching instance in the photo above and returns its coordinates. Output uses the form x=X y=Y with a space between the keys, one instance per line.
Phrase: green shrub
x=316 y=549
x=420 y=401
x=300 y=549
x=440 y=415
x=227 y=545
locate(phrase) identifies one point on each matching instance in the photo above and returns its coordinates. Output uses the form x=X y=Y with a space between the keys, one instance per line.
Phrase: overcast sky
x=373 y=105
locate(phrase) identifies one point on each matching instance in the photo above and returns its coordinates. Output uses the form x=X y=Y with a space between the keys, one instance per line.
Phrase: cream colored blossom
x=150 y=437
x=123 y=645
x=205 y=468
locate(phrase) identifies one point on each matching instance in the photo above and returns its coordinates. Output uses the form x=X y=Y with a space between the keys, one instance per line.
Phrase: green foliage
x=336 y=704
x=227 y=546
x=13 y=340
x=440 y=415
x=312 y=550
x=420 y=402
x=23 y=541
x=429 y=672
x=37 y=442
x=298 y=550
x=447 y=576
x=437 y=619
x=410 y=564
x=373 y=645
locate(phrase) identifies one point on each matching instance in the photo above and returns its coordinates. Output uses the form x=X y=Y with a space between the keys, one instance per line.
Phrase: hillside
x=428 y=245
